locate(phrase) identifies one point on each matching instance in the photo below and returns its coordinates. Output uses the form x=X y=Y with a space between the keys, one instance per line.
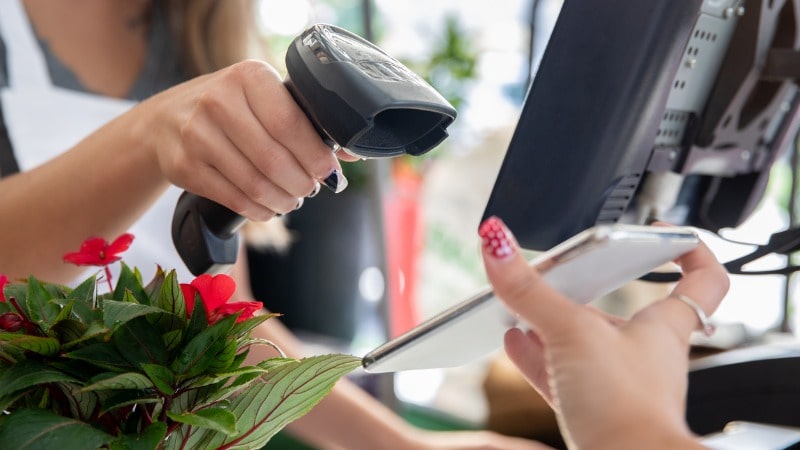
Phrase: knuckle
x=520 y=287
x=211 y=102
x=256 y=188
x=239 y=205
x=286 y=119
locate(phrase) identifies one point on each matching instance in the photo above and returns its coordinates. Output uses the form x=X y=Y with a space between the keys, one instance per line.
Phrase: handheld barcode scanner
x=358 y=97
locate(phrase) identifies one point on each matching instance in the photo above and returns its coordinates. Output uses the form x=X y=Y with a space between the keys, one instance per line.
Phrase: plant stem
x=108 y=278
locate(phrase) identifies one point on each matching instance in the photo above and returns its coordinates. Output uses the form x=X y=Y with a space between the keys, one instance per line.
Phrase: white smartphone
x=585 y=267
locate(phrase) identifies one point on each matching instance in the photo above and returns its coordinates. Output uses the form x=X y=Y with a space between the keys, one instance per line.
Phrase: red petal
x=83 y=259
x=214 y=290
x=247 y=309
x=3 y=283
x=93 y=245
x=120 y=244
x=189 y=292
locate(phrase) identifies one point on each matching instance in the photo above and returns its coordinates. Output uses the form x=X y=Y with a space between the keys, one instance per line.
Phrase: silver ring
x=705 y=324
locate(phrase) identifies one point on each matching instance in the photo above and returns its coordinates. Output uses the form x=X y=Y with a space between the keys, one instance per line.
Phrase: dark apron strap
x=8 y=163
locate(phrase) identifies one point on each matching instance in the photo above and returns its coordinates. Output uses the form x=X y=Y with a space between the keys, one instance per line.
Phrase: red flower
x=215 y=291
x=11 y=321
x=3 y=283
x=97 y=251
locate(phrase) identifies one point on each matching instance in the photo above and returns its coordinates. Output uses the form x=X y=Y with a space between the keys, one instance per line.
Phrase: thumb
x=519 y=286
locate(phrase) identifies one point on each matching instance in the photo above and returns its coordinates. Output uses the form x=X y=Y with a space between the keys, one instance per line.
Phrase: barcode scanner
x=358 y=98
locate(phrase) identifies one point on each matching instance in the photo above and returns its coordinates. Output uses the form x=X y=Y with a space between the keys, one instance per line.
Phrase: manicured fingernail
x=336 y=182
x=299 y=203
x=497 y=239
x=317 y=187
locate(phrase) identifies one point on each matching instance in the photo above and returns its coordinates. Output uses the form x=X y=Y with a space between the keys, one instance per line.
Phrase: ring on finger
x=706 y=325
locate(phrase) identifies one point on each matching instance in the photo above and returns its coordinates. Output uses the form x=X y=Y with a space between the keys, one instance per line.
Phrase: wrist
x=653 y=435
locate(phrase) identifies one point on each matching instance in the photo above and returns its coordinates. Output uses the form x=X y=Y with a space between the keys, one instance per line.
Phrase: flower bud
x=10 y=321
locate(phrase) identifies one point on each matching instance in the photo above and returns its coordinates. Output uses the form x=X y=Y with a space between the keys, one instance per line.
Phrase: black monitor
x=657 y=109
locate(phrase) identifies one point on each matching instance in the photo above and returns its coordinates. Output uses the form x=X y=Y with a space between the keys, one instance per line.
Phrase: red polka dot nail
x=497 y=239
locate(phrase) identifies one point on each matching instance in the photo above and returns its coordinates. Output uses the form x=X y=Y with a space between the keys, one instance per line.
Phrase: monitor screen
x=650 y=110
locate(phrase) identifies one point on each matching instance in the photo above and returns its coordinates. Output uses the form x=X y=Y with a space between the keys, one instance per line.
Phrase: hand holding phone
x=584 y=268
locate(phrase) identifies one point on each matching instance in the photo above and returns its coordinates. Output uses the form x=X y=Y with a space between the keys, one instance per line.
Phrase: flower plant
x=144 y=366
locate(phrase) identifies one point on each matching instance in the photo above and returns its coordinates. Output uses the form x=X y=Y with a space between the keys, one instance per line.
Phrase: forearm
x=99 y=187
x=349 y=418
x=652 y=437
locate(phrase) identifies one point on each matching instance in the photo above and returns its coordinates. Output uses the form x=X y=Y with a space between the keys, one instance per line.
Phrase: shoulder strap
x=8 y=163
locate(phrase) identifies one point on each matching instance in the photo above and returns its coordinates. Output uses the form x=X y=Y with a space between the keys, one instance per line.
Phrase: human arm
x=612 y=383
x=235 y=136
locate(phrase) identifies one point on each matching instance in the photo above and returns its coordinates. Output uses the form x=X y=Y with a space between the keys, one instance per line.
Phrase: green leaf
x=69 y=330
x=172 y=339
x=170 y=299
x=139 y=342
x=147 y=440
x=204 y=350
x=29 y=373
x=65 y=312
x=132 y=283
x=153 y=288
x=84 y=297
x=46 y=346
x=130 y=380
x=18 y=291
x=198 y=322
x=196 y=398
x=246 y=374
x=217 y=419
x=117 y=313
x=247 y=325
x=38 y=429
x=82 y=405
x=95 y=329
x=263 y=409
x=41 y=308
x=121 y=399
x=162 y=378
x=102 y=355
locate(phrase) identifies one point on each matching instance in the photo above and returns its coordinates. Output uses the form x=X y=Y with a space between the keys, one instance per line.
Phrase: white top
x=44 y=120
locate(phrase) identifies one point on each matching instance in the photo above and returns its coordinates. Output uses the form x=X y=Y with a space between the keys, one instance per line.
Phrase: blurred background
x=400 y=244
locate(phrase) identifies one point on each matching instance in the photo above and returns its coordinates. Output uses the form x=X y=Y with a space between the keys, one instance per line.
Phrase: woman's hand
x=237 y=137
x=612 y=383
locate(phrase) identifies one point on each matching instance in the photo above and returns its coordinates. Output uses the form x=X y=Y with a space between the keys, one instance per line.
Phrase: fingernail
x=317 y=187
x=336 y=182
x=497 y=239
x=299 y=203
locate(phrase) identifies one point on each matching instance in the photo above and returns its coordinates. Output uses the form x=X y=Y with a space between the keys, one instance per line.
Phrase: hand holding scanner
x=357 y=97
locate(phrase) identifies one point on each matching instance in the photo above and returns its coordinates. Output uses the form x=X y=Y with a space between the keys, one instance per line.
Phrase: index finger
x=520 y=287
x=287 y=123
